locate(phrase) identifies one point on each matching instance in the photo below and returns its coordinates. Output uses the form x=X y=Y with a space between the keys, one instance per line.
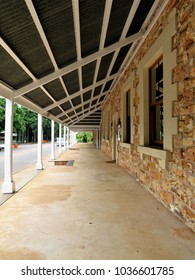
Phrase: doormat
x=74 y=149
x=111 y=161
x=64 y=162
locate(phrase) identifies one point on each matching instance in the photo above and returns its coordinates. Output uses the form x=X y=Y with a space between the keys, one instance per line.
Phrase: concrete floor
x=91 y=210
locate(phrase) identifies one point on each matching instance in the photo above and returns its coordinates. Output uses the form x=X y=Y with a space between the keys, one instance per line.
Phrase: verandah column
x=60 y=138
x=39 y=164
x=68 y=137
x=64 y=138
x=52 y=156
x=71 y=138
x=8 y=184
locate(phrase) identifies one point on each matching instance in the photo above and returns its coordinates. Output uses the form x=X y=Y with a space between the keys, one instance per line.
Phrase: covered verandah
x=61 y=59
x=91 y=209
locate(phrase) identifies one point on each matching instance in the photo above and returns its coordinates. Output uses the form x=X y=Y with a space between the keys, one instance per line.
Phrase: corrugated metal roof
x=65 y=56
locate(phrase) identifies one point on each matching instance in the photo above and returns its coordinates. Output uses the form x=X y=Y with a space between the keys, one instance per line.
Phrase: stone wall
x=173 y=186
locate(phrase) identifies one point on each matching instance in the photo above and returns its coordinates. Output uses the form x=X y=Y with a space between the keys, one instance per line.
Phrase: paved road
x=23 y=156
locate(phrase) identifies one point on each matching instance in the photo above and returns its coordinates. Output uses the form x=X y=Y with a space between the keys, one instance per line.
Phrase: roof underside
x=62 y=58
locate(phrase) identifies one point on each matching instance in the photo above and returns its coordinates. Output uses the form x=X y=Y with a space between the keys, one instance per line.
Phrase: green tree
x=2 y=114
x=46 y=129
x=80 y=136
x=19 y=124
x=25 y=123
x=31 y=120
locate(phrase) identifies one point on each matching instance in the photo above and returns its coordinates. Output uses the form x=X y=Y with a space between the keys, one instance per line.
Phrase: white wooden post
x=74 y=137
x=71 y=138
x=39 y=164
x=8 y=184
x=68 y=137
x=64 y=138
x=60 y=138
x=52 y=156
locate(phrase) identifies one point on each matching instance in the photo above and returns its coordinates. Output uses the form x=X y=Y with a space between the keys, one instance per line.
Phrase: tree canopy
x=84 y=136
x=25 y=123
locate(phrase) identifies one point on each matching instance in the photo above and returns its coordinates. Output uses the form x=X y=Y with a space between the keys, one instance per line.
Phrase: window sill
x=125 y=145
x=164 y=156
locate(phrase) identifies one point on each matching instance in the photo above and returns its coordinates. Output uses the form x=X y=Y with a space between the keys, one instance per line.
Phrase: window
x=107 y=131
x=128 y=128
x=156 y=103
x=126 y=117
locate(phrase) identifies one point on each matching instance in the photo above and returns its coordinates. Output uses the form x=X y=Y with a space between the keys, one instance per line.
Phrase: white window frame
x=107 y=124
x=161 y=47
x=127 y=86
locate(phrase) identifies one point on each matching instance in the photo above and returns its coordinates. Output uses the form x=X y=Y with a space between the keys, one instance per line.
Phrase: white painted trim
x=39 y=164
x=138 y=43
x=164 y=156
x=125 y=145
x=68 y=137
x=60 y=138
x=128 y=85
x=77 y=64
x=52 y=156
x=39 y=27
x=8 y=184
x=78 y=93
x=161 y=47
x=64 y=137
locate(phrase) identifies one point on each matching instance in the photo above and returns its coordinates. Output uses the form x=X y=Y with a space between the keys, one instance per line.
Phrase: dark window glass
x=156 y=103
x=128 y=128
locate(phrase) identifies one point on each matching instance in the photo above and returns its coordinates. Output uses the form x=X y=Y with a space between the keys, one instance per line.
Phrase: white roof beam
x=22 y=65
x=79 y=93
x=157 y=8
x=75 y=65
x=84 y=128
x=76 y=16
x=81 y=117
x=45 y=42
x=86 y=114
x=36 y=20
x=130 y=18
x=78 y=106
x=16 y=58
x=107 y=11
x=124 y=33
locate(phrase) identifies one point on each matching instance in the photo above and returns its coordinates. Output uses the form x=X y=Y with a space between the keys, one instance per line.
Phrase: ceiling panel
x=57 y=20
x=39 y=97
x=55 y=89
x=120 y=58
x=104 y=66
x=87 y=95
x=119 y=13
x=20 y=33
x=55 y=111
x=91 y=18
x=71 y=81
x=15 y=79
x=66 y=106
x=88 y=71
x=76 y=101
x=140 y=16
